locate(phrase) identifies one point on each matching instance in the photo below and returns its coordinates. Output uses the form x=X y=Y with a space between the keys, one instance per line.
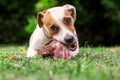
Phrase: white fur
x=38 y=37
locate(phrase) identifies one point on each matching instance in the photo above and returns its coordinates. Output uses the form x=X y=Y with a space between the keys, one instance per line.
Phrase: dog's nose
x=69 y=39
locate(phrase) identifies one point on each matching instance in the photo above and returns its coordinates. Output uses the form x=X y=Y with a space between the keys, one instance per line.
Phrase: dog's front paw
x=31 y=53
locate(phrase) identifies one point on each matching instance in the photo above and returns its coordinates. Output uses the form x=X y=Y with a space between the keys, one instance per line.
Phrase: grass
x=98 y=63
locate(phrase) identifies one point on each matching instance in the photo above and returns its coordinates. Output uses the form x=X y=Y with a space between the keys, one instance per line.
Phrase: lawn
x=98 y=63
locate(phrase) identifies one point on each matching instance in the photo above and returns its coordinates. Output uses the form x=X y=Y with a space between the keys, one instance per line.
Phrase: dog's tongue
x=57 y=50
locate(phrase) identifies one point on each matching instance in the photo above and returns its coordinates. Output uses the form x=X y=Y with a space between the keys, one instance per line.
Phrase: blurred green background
x=98 y=21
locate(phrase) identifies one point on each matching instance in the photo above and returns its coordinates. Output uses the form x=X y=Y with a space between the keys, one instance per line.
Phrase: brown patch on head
x=71 y=9
x=47 y=20
x=72 y=12
x=68 y=21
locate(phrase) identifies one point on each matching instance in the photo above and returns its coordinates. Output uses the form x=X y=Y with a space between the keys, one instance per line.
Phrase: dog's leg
x=31 y=52
x=37 y=40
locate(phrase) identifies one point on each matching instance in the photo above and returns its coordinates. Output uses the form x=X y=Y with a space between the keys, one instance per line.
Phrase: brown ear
x=40 y=16
x=72 y=10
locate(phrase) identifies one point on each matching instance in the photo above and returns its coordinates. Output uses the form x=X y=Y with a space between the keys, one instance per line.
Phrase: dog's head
x=58 y=22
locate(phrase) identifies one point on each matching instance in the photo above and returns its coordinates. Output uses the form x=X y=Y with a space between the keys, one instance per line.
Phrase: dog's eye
x=53 y=28
x=68 y=20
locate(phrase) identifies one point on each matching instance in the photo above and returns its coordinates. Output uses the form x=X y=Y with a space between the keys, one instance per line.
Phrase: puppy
x=58 y=23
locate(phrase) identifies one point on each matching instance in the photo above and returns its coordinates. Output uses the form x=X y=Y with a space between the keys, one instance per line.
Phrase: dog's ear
x=40 y=16
x=72 y=10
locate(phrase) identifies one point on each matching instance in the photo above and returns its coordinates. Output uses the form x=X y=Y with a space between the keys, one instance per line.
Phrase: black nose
x=69 y=39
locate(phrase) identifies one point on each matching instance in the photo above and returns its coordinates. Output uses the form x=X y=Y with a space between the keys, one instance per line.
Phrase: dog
x=57 y=22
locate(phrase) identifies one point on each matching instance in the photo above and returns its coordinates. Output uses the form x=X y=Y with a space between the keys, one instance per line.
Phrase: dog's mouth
x=71 y=47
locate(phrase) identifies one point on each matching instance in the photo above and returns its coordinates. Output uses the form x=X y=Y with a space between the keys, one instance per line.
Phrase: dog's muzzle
x=69 y=39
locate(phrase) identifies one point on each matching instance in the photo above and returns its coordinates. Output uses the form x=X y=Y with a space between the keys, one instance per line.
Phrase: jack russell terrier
x=58 y=23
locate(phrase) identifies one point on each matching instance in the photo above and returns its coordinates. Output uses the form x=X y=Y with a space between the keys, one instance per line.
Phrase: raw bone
x=55 y=50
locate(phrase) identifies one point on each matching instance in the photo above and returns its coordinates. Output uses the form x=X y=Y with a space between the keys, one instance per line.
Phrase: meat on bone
x=55 y=50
